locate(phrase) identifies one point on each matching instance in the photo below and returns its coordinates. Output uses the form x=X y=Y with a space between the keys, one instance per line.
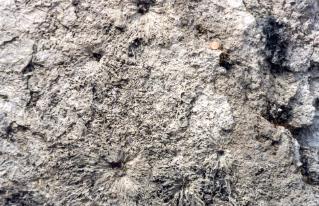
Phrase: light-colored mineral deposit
x=159 y=102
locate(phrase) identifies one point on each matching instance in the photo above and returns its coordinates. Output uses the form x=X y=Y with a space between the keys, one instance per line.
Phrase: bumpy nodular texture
x=125 y=103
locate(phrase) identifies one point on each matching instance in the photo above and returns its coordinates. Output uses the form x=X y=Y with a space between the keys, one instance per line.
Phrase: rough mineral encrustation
x=125 y=103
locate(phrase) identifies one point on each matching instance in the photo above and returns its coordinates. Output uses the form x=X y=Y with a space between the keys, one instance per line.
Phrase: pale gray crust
x=122 y=102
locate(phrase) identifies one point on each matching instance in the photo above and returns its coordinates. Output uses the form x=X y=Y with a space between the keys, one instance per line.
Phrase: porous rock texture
x=123 y=102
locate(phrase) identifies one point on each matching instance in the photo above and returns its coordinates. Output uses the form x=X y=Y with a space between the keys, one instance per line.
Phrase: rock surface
x=159 y=102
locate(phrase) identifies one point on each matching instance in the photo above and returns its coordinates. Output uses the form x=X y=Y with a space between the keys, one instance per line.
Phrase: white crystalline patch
x=299 y=58
x=30 y=19
x=235 y=3
x=48 y=57
x=70 y=18
x=244 y=20
x=248 y=19
x=16 y=56
x=7 y=4
x=303 y=113
x=15 y=20
x=211 y=114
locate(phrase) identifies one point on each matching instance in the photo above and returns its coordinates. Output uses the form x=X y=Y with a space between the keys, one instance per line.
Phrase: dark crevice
x=75 y=2
x=316 y=103
x=309 y=166
x=260 y=171
x=314 y=67
x=276 y=44
x=34 y=97
x=29 y=68
x=225 y=61
x=4 y=97
x=309 y=152
x=220 y=153
x=8 y=132
x=117 y=160
x=12 y=129
x=201 y=30
x=96 y=99
x=9 y=41
x=116 y=165
x=120 y=28
x=143 y=6
x=97 y=56
x=308 y=139
x=107 y=28
x=135 y=47
x=278 y=114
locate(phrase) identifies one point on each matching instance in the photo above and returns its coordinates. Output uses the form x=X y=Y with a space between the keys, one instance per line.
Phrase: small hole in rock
x=107 y=28
x=143 y=6
x=75 y=2
x=260 y=171
x=200 y=29
x=220 y=152
x=134 y=47
x=278 y=114
x=224 y=61
x=97 y=56
x=115 y=165
x=29 y=68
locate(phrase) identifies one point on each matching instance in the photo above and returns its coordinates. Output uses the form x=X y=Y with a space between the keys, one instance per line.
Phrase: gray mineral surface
x=159 y=102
